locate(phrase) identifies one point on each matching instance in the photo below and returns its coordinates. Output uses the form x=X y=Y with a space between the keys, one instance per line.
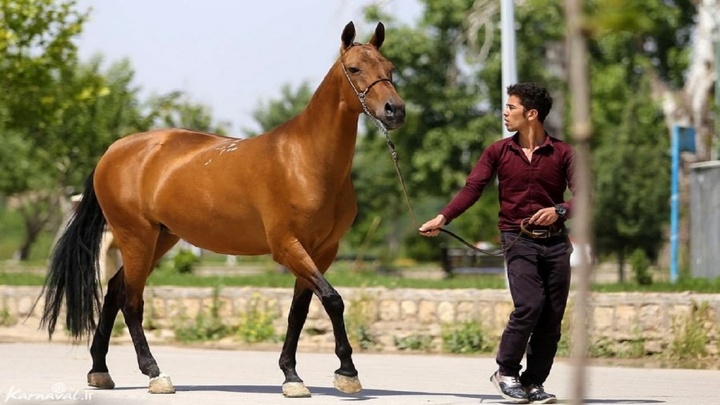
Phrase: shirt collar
x=514 y=140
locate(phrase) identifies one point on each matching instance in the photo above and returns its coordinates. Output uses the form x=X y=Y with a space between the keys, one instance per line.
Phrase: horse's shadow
x=370 y=394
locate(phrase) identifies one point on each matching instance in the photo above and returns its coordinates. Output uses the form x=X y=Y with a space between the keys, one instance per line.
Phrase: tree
x=177 y=110
x=58 y=115
x=631 y=213
x=271 y=113
x=36 y=53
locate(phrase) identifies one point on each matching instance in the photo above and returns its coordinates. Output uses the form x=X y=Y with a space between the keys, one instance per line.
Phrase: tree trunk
x=621 y=267
x=691 y=105
x=37 y=210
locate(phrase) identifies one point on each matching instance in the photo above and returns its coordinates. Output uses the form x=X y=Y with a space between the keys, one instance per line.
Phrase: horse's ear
x=379 y=36
x=348 y=35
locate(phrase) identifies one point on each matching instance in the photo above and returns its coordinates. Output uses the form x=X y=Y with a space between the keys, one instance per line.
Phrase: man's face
x=514 y=114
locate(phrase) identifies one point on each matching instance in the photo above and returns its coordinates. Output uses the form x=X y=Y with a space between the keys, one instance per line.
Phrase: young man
x=533 y=170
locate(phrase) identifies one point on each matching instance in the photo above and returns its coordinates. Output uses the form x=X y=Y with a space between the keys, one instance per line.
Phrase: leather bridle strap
x=361 y=96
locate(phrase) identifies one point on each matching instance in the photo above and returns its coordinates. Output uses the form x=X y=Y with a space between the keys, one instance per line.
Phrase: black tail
x=73 y=269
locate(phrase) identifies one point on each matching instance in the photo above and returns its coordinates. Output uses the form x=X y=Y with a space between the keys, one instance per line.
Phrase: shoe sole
x=502 y=394
x=546 y=401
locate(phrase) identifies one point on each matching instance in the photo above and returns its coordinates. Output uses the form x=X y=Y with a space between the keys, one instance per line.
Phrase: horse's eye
x=353 y=70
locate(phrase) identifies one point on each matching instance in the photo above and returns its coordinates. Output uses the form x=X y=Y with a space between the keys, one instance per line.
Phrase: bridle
x=393 y=154
x=361 y=96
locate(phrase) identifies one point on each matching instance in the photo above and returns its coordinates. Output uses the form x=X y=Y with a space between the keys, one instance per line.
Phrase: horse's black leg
x=310 y=277
x=346 y=376
x=138 y=264
x=293 y=385
x=133 y=312
x=98 y=375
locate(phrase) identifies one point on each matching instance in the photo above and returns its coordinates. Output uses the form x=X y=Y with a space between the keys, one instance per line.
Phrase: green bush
x=641 y=267
x=256 y=324
x=691 y=333
x=465 y=337
x=207 y=326
x=184 y=261
x=415 y=343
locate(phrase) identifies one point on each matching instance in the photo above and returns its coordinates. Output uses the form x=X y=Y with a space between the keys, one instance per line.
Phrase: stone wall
x=619 y=322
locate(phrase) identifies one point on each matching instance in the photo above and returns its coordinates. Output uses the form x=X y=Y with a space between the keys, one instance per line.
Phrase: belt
x=542 y=233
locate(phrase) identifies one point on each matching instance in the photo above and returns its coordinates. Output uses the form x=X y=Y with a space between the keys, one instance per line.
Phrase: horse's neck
x=329 y=127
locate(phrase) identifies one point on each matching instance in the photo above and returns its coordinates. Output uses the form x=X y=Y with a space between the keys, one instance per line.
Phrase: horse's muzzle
x=394 y=116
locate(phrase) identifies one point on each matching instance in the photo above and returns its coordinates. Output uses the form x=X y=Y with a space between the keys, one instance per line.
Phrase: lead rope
x=394 y=155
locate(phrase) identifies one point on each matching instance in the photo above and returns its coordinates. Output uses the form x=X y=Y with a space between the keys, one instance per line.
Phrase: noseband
x=361 y=96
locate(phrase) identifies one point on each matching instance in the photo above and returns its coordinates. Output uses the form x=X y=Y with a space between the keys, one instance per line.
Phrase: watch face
x=560 y=210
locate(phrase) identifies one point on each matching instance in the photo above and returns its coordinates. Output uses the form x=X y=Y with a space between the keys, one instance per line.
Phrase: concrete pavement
x=48 y=373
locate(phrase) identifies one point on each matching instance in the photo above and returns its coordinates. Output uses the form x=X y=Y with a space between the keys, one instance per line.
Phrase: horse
x=287 y=193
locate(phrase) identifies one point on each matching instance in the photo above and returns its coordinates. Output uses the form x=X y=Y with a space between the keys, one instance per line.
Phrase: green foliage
x=256 y=323
x=207 y=326
x=690 y=333
x=58 y=115
x=641 y=267
x=605 y=348
x=6 y=319
x=422 y=343
x=272 y=113
x=358 y=321
x=630 y=210
x=184 y=261
x=466 y=337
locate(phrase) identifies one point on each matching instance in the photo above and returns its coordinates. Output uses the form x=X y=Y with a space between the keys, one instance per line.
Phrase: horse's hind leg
x=139 y=260
x=99 y=376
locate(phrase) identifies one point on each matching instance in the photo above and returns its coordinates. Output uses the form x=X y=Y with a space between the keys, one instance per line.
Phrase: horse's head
x=370 y=77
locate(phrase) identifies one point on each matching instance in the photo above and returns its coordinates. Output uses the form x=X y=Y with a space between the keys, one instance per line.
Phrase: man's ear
x=532 y=114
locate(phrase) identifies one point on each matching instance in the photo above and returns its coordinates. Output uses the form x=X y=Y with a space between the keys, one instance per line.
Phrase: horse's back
x=185 y=181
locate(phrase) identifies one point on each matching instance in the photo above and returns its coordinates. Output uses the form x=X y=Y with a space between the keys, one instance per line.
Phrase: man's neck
x=532 y=137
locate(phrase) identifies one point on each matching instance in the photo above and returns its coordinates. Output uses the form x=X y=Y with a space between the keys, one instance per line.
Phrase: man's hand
x=544 y=217
x=432 y=227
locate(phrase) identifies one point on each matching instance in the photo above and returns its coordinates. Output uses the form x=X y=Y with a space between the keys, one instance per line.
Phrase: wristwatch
x=561 y=210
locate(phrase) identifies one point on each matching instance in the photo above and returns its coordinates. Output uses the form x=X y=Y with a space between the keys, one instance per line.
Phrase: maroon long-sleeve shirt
x=524 y=186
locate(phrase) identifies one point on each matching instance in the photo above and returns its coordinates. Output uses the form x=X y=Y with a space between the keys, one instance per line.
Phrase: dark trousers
x=538 y=273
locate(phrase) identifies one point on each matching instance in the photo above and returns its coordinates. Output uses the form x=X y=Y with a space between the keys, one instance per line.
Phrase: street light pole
x=509 y=57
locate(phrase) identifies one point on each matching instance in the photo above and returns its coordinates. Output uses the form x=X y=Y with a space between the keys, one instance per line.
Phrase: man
x=533 y=170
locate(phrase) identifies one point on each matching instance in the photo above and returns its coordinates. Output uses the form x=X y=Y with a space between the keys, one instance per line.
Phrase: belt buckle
x=540 y=233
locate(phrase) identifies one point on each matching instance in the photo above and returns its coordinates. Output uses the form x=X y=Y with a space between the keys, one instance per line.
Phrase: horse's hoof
x=161 y=385
x=348 y=385
x=295 y=390
x=100 y=380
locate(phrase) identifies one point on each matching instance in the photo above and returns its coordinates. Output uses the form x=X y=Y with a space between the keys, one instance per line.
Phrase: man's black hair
x=533 y=97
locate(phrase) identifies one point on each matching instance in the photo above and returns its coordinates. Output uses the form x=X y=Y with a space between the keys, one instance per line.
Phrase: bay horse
x=287 y=193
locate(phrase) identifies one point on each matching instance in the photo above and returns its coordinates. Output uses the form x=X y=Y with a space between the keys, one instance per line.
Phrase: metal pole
x=509 y=53
x=581 y=133
x=674 y=201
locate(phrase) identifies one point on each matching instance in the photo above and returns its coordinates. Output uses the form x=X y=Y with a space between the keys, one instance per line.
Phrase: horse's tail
x=74 y=267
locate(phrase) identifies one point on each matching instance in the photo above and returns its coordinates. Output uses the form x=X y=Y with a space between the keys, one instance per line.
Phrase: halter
x=361 y=97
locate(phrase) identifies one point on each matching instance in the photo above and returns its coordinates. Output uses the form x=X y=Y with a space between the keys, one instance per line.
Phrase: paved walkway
x=39 y=373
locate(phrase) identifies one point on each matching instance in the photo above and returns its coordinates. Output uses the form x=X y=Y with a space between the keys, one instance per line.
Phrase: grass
x=338 y=278
x=266 y=274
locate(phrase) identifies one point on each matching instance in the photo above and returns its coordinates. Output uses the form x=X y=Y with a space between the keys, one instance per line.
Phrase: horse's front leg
x=346 y=377
x=293 y=386
x=310 y=275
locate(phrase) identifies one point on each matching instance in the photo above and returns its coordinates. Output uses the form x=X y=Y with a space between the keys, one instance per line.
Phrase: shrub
x=184 y=261
x=640 y=266
x=415 y=343
x=256 y=324
x=465 y=337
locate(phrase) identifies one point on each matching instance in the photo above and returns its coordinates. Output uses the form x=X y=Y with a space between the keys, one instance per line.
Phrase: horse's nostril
x=391 y=110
